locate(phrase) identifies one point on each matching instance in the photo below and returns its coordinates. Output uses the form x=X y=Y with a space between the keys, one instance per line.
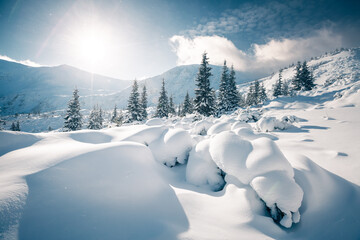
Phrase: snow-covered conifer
x=223 y=101
x=134 y=109
x=278 y=86
x=204 y=96
x=233 y=93
x=73 y=117
x=171 y=106
x=143 y=104
x=95 y=118
x=162 y=109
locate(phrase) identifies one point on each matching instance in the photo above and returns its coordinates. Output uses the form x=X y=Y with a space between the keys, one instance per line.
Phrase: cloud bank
x=23 y=62
x=264 y=58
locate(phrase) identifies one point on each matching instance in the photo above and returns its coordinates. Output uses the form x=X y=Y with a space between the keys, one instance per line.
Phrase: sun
x=91 y=44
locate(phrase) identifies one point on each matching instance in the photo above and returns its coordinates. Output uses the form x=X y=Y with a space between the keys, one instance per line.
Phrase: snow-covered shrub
x=154 y=122
x=269 y=124
x=239 y=124
x=261 y=164
x=281 y=194
x=201 y=127
x=172 y=147
x=218 y=127
x=201 y=169
x=247 y=115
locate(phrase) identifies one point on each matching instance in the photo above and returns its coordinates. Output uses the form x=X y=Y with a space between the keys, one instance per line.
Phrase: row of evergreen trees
x=205 y=102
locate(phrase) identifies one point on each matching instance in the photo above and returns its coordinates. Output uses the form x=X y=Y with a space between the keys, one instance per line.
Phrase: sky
x=142 y=38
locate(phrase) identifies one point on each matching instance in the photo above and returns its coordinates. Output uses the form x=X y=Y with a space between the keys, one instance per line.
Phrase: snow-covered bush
x=269 y=124
x=201 y=127
x=218 y=127
x=201 y=169
x=248 y=115
x=261 y=164
x=172 y=147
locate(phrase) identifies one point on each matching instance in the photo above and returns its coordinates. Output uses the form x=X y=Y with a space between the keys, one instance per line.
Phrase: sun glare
x=92 y=44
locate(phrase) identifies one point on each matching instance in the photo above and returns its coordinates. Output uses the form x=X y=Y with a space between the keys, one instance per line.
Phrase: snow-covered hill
x=27 y=89
x=42 y=89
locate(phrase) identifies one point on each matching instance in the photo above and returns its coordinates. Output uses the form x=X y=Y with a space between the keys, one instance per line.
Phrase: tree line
x=205 y=102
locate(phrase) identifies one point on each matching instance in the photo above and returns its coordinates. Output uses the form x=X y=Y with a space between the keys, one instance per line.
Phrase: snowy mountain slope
x=27 y=89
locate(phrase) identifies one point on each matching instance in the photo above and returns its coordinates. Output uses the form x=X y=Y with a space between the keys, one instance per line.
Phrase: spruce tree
x=143 y=104
x=306 y=77
x=223 y=102
x=114 y=116
x=73 y=117
x=187 y=105
x=96 y=118
x=204 y=95
x=256 y=92
x=15 y=126
x=233 y=93
x=171 y=106
x=262 y=94
x=297 y=81
x=285 y=89
x=278 y=87
x=250 y=96
x=134 y=109
x=162 y=109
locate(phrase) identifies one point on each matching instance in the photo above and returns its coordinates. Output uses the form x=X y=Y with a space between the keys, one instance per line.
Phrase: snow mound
x=219 y=127
x=91 y=136
x=229 y=151
x=147 y=135
x=15 y=140
x=172 y=147
x=239 y=124
x=269 y=124
x=280 y=192
x=201 y=127
x=201 y=169
x=154 y=122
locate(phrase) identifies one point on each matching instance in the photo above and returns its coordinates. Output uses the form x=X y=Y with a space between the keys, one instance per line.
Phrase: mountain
x=42 y=89
x=27 y=89
x=31 y=90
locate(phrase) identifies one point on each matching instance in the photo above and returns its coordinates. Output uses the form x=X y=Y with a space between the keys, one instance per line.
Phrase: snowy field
x=293 y=174
x=178 y=179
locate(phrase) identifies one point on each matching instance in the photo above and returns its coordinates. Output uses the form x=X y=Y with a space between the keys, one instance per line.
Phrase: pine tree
x=233 y=93
x=223 y=103
x=15 y=126
x=162 y=109
x=187 y=105
x=250 y=96
x=96 y=118
x=73 y=117
x=114 y=115
x=171 y=106
x=134 y=109
x=262 y=94
x=278 y=87
x=306 y=77
x=178 y=113
x=285 y=89
x=256 y=92
x=143 y=104
x=204 y=95
x=297 y=81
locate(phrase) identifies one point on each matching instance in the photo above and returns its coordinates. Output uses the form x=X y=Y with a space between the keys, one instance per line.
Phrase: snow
x=201 y=169
x=172 y=147
x=196 y=178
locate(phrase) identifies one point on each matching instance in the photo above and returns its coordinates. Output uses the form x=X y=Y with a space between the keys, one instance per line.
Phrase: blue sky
x=138 y=38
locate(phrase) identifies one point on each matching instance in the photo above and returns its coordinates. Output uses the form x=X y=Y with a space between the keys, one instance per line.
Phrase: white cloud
x=189 y=51
x=24 y=62
x=265 y=58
